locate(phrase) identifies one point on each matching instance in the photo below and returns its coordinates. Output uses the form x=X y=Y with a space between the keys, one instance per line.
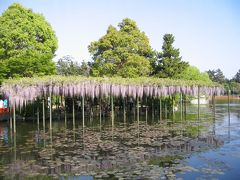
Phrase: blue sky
x=207 y=32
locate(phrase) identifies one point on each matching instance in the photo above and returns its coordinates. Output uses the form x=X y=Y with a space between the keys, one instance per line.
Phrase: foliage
x=141 y=81
x=168 y=63
x=66 y=66
x=233 y=86
x=193 y=73
x=27 y=43
x=216 y=76
x=85 y=69
x=236 y=78
x=28 y=89
x=124 y=52
x=135 y=66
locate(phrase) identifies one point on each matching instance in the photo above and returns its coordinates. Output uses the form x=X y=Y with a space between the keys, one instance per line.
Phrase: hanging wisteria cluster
x=26 y=90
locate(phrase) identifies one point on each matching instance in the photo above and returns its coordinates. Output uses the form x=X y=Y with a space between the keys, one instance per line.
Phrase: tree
x=216 y=76
x=66 y=66
x=237 y=77
x=193 y=73
x=27 y=43
x=123 y=52
x=169 y=64
x=85 y=68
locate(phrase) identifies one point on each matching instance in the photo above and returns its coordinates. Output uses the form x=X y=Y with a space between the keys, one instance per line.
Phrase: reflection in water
x=15 y=147
x=65 y=155
x=110 y=148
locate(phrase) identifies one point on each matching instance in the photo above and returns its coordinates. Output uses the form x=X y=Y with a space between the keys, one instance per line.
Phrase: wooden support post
x=229 y=119
x=229 y=92
x=181 y=107
x=160 y=109
x=152 y=109
x=73 y=113
x=146 y=111
x=138 y=118
x=44 y=123
x=38 y=117
x=100 y=113
x=65 y=117
x=73 y=118
x=213 y=103
x=50 y=111
x=146 y=114
x=33 y=111
x=138 y=111
x=43 y=113
x=124 y=112
x=213 y=113
x=10 y=117
x=14 y=118
x=112 y=110
x=198 y=103
x=165 y=105
x=112 y=116
x=83 y=118
x=185 y=107
x=15 y=146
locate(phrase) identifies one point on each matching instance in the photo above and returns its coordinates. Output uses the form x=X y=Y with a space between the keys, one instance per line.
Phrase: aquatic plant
x=28 y=89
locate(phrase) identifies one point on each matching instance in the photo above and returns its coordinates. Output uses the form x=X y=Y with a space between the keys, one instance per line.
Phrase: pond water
x=182 y=146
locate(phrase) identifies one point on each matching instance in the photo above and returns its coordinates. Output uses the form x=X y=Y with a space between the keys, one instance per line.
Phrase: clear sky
x=207 y=32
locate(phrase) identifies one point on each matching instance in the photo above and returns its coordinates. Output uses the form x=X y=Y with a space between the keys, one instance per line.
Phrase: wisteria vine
x=20 y=91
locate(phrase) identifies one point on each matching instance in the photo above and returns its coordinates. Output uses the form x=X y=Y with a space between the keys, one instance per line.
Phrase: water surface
x=181 y=146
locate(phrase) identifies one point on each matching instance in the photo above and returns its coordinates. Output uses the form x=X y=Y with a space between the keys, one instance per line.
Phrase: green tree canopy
x=216 y=76
x=169 y=63
x=66 y=66
x=236 y=78
x=193 y=73
x=27 y=43
x=124 y=51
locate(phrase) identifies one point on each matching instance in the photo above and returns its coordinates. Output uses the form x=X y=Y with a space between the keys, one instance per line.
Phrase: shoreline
x=226 y=97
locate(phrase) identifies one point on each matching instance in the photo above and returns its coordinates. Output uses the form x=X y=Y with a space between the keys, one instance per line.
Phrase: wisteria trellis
x=28 y=89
